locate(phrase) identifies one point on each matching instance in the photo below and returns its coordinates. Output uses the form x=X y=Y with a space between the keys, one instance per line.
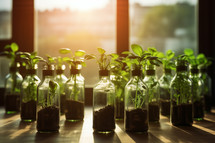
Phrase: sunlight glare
x=80 y=5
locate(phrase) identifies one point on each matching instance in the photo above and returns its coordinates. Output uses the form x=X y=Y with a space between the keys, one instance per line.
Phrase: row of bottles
x=144 y=98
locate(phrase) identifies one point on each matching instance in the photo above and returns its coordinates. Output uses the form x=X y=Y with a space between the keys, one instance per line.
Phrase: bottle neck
x=75 y=72
x=181 y=69
x=59 y=71
x=167 y=71
x=150 y=72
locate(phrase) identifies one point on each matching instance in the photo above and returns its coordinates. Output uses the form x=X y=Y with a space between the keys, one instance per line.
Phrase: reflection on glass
x=5 y=19
x=165 y=24
x=83 y=24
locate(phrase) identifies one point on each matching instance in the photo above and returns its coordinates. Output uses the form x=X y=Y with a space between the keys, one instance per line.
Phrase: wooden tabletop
x=13 y=130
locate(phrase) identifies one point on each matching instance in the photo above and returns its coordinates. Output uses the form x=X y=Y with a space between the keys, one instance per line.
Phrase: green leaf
x=89 y=57
x=14 y=47
x=52 y=85
x=101 y=51
x=80 y=53
x=160 y=55
x=114 y=56
x=170 y=54
x=137 y=49
x=188 y=52
x=65 y=59
x=126 y=53
x=65 y=50
x=83 y=64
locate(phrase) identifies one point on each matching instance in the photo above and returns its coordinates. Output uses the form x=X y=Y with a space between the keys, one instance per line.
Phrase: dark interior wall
x=207 y=35
x=22 y=25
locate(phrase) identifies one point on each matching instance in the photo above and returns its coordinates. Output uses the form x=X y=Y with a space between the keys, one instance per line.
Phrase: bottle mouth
x=150 y=72
x=75 y=71
x=104 y=72
x=31 y=71
x=167 y=71
x=59 y=71
x=181 y=68
x=194 y=70
x=136 y=72
x=48 y=72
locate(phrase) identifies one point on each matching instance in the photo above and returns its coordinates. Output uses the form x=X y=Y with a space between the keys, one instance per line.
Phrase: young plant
x=76 y=60
x=167 y=60
x=139 y=59
x=181 y=85
x=30 y=60
x=11 y=52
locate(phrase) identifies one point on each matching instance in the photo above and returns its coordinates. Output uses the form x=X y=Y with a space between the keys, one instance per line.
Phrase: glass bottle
x=119 y=84
x=198 y=97
x=61 y=79
x=48 y=105
x=164 y=82
x=181 y=112
x=29 y=96
x=153 y=93
x=13 y=91
x=74 y=107
x=136 y=103
x=207 y=88
x=103 y=104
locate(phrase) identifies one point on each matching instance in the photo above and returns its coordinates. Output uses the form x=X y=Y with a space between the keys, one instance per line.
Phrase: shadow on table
x=105 y=138
x=46 y=137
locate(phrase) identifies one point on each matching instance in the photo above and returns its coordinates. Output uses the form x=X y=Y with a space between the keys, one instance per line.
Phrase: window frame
x=23 y=28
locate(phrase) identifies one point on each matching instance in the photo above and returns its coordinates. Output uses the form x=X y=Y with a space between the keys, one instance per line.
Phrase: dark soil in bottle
x=28 y=111
x=165 y=107
x=48 y=119
x=12 y=103
x=136 y=120
x=103 y=119
x=182 y=115
x=2 y=90
x=208 y=103
x=62 y=103
x=74 y=110
x=119 y=109
x=154 y=112
x=198 y=109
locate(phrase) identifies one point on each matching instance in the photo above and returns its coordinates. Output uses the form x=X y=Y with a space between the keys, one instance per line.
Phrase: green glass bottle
x=153 y=93
x=103 y=104
x=164 y=82
x=197 y=92
x=48 y=105
x=74 y=107
x=13 y=84
x=61 y=79
x=181 y=97
x=136 y=103
x=207 y=88
x=29 y=96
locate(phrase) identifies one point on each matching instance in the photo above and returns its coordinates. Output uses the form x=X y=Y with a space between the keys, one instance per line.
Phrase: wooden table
x=13 y=130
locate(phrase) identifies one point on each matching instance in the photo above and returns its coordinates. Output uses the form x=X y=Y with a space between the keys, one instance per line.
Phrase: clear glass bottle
x=74 y=107
x=13 y=91
x=164 y=82
x=153 y=93
x=136 y=103
x=181 y=112
x=29 y=96
x=119 y=84
x=48 y=105
x=61 y=79
x=198 y=97
x=103 y=104
x=207 y=88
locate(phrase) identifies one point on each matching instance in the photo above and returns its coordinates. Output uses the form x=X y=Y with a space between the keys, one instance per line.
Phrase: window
x=164 y=24
x=73 y=24
x=5 y=19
